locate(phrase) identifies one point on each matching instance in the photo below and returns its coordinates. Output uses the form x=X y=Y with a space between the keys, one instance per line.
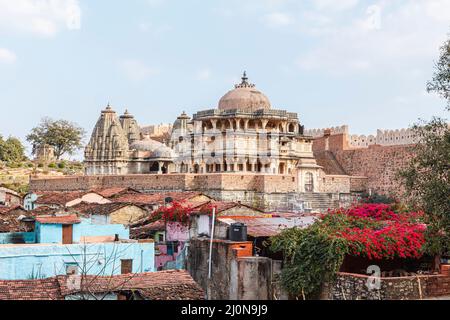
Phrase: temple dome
x=244 y=97
x=146 y=144
x=163 y=152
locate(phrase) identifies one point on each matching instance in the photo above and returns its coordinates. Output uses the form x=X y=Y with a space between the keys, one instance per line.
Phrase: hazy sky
x=356 y=62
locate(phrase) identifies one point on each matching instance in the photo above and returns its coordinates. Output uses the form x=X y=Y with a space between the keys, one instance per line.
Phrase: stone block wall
x=335 y=184
x=379 y=164
x=350 y=286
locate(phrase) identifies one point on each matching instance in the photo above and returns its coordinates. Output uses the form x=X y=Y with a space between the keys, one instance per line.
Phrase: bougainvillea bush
x=178 y=211
x=375 y=231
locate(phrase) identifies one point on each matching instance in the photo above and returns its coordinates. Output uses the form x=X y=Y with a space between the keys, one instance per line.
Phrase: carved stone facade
x=244 y=134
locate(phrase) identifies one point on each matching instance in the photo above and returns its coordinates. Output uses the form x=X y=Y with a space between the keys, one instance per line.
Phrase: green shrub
x=52 y=165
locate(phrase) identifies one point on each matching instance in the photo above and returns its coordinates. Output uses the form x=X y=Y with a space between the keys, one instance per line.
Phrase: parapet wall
x=171 y=182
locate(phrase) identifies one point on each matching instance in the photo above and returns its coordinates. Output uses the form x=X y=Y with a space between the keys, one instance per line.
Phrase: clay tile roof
x=43 y=210
x=142 y=232
x=155 y=198
x=60 y=219
x=58 y=198
x=87 y=209
x=222 y=206
x=162 y=285
x=42 y=289
x=9 y=219
x=112 y=192
x=6 y=210
x=6 y=190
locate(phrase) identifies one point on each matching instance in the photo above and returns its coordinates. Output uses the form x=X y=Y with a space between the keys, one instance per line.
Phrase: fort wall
x=379 y=164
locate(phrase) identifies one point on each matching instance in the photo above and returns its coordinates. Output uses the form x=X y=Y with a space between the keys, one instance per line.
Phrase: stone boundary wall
x=175 y=182
x=349 y=286
x=379 y=164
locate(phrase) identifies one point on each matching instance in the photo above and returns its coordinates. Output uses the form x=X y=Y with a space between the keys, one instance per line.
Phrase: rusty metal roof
x=268 y=227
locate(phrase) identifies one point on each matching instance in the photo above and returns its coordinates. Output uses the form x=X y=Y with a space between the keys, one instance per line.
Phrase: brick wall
x=350 y=286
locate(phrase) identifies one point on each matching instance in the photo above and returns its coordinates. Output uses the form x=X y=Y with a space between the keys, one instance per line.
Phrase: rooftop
x=58 y=219
x=268 y=227
x=155 y=198
x=163 y=285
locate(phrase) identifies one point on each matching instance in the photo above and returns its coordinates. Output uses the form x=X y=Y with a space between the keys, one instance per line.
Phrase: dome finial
x=244 y=77
x=244 y=83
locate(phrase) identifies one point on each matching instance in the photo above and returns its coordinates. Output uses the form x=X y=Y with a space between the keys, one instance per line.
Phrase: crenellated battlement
x=316 y=133
x=383 y=137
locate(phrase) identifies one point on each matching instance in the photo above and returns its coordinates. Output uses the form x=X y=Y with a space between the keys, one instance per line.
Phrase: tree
x=427 y=181
x=64 y=136
x=11 y=150
x=440 y=83
x=427 y=177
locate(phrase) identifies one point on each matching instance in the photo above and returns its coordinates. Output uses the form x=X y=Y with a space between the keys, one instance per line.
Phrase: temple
x=243 y=134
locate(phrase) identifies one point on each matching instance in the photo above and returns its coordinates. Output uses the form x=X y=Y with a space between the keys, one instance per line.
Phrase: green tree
x=427 y=181
x=427 y=178
x=64 y=136
x=11 y=150
x=440 y=83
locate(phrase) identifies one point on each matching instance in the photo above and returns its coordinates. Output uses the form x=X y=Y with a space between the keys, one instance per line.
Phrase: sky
x=364 y=63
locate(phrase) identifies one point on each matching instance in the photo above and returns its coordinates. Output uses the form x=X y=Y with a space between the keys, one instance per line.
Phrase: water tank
x=237 y=232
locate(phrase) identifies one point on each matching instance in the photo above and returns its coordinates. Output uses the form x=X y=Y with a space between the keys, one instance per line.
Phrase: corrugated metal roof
x=268 y=227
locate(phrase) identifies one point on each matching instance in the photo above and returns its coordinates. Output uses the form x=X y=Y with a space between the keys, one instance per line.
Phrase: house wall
x=19 y=262
x=127 y=215
x=251 y=278
x=176 y=231
x=235 y=276
x=17 y=237
x=52 y=233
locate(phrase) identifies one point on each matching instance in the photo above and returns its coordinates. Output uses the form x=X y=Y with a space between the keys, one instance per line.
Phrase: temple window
x=309 y=182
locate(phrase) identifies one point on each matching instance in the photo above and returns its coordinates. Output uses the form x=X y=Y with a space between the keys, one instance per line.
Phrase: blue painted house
x=66 y=244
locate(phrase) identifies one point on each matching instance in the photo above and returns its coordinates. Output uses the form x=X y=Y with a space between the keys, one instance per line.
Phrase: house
x=9 y=197
x=165 y=285
x=115 y=213
x=11 y=219
x=59 y=199
x=240 y=270
x=62 y=244
x=115 y=192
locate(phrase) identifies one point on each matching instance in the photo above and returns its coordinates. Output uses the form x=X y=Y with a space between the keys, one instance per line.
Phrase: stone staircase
x=318 y=201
